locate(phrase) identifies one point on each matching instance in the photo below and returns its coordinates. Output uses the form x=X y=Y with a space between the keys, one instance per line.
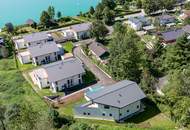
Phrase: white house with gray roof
x=41 y=54
x=81 y=31
x=115 y=102
x=59 y=75
x=32 y=40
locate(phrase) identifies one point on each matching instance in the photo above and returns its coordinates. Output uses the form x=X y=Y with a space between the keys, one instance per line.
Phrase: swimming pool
x=18 y=11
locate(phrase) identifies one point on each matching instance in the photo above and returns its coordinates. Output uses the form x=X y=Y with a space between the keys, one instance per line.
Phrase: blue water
x=18 y=11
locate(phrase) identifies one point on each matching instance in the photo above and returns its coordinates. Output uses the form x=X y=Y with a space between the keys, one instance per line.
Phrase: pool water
x=18 y=11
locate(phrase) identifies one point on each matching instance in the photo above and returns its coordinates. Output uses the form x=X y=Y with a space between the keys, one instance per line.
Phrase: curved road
x=104 y=78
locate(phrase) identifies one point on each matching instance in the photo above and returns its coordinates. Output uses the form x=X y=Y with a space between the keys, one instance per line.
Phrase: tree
x=139 y=4
x=59 y=14
x=151 y=6
x=109 y=3
x=98 y=30
x=124 y=56
x=99 y=11
x=51 y=12
x=54 y=117
x=92 y=11
x=108 y=16
x=45 y=18
x=177 y=55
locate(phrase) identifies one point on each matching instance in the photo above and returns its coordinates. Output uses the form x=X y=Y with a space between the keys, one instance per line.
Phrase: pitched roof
x=186 y=29
x=63 y=69
x=118 y=95
x=43 y=49
x=36 y=37
x=98 y=48
x=81 y=27
x=172 y=35
x=166 y=16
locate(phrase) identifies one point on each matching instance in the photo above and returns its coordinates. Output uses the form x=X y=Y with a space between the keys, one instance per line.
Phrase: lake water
x=18 y=11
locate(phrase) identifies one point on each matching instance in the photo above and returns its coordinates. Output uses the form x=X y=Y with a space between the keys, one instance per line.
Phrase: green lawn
x=68 y=47
x=150 y=119
x=14 y=88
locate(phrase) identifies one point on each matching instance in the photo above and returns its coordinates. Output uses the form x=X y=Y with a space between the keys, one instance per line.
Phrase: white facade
x=44 y=59
x=104 y=112
x=66 y=83
x=135 y=26
x=24 y=57
x=81 y=35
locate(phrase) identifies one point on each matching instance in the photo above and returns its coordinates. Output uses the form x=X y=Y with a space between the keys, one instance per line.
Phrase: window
x=84 y=113
x=106 y=107
x=103 y=114
x=120 y=114
x=79 y=81
x=110 y=114
x=137 y=106
x=127 y=110
x=79 y=76
x=88 y=113
x=56 y=83
x=47 y=82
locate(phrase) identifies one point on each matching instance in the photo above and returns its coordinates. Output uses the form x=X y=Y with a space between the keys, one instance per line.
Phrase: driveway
x=101 y=75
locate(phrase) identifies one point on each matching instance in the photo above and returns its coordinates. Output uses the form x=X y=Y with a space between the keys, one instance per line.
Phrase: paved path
x=102 y=76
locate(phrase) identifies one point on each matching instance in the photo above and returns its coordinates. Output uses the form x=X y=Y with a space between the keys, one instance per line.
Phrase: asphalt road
x=104 y=78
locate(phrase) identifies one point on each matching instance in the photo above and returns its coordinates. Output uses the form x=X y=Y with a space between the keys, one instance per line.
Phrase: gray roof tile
x=43 y=49
x=118 y=95
x=36 y=37
x=63 y=69
x=98 y=48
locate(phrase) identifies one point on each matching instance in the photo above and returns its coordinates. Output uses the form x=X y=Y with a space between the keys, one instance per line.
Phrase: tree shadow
x=150 y=111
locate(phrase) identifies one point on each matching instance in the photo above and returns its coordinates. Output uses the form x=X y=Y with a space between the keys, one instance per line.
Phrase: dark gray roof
x=165 y=17
x=36 y=37
x=98 y=48
x=63 y=69
x=81 y=27
x=172 y=35
x=118 y=95
x=186 y=29
x=43 y=49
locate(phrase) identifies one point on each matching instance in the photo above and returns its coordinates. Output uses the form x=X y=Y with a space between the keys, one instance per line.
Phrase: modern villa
x=115 y=102
x=81 y=31
x=41 y=54
x=59 y=75
x=32 y=40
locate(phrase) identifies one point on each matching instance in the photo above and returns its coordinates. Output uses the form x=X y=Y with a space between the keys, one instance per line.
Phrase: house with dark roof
x=41 y=54
x=59 y=75
x=98 y=50
x=115 y=102
x=171 y=36
x=32 y=40
x=165 y=19
x=81 y=31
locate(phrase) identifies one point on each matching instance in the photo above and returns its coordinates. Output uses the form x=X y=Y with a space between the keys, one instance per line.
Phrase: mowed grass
x=150 y=119
x=15 y=89
x=68 y=47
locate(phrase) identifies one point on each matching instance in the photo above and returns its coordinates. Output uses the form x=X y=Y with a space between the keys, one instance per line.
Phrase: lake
x=18 y=11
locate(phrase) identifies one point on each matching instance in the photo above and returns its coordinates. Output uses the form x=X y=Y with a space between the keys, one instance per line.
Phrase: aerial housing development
x=113 y=65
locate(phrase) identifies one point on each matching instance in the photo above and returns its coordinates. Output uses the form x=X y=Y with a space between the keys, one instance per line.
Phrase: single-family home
x=165 y=19
x=185 y=15
x=137 y=23
x=59 y=75
x=173 y=35
x=81 y=31
x=41 y=54
x=32 y=40
x=98 y=50
x=114 y=102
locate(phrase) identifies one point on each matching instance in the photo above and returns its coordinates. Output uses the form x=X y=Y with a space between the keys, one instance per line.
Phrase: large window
x=106 y=107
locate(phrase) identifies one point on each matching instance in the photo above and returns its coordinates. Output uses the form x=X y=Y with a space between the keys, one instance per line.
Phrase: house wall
x=62 y=84
x=135 y=26
x=112 y=113
x=41 y=82
x=39 y=60
x=81 y=35
x=24 y=59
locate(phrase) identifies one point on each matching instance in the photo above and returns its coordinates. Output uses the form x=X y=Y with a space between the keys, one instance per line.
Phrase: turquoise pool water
x=18 y=11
